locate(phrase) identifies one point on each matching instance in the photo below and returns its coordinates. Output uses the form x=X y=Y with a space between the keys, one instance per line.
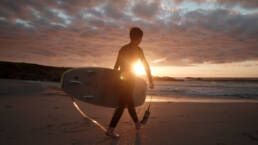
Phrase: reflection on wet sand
x=197 y=100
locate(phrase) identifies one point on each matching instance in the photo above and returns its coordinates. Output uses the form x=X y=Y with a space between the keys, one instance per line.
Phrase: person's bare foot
x=138 y=125
x=110 y=132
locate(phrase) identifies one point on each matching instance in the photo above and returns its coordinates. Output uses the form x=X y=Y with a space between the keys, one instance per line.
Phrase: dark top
x=128 y=55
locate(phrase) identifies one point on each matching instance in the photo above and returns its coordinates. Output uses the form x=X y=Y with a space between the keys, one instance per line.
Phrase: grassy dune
x=26 y=71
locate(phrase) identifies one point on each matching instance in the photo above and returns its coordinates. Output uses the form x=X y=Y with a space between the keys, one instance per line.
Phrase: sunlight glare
x=139 y=69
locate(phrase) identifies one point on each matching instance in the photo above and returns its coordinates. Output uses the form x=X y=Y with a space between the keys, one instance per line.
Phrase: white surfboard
x=99 y=86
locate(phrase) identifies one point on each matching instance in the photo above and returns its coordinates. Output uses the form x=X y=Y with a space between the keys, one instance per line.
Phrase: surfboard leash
x=146 y=114
x=85 y=116
x=150 y=103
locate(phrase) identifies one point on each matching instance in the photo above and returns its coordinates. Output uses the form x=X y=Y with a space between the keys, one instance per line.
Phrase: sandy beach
x=36 y=113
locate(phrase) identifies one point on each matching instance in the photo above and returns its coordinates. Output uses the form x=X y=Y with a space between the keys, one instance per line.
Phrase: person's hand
x=151 y=85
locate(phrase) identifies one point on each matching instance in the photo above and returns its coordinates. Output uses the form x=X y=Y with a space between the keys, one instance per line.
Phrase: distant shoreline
x=29 y=71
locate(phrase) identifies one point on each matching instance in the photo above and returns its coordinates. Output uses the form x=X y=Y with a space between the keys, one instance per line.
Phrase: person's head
x=136 y=35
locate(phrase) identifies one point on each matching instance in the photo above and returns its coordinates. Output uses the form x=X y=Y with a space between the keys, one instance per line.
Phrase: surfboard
x=99 y=86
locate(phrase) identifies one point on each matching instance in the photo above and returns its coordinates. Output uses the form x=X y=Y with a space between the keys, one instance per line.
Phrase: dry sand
x=35 y=113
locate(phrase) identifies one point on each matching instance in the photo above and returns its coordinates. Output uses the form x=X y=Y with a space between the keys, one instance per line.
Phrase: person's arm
x=147 y=69
x=117 y=64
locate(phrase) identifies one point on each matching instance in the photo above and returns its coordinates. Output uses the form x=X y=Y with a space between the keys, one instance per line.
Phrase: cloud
x=79 y=33
x=146 y=10
x=249 y=4
x=253 y=4
x=217 y=36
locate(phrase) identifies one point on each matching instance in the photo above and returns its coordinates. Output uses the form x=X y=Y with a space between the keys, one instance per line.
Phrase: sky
x=182 y=38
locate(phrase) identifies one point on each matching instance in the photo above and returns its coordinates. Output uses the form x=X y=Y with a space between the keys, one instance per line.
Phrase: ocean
x=207 y=88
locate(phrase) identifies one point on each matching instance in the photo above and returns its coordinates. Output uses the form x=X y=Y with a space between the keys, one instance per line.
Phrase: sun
x=139 y=69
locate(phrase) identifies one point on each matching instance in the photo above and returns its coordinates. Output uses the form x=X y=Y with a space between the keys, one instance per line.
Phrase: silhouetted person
x=127 y=57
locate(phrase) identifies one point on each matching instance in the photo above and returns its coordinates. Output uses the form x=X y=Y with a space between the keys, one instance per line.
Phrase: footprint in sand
x=67 y=127
x=56 y=107
x=220 y=144
x=45 y=127
x=8 y=106
x=75 y=142
x=76 y=126
x=2 y=131
x=153 y=117
x=252 y=136
x=127 y=122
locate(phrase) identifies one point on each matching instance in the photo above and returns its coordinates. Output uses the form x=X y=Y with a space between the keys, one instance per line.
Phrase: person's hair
x=135 y=33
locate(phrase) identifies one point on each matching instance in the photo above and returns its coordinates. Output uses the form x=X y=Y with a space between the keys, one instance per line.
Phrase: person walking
x=128 y=55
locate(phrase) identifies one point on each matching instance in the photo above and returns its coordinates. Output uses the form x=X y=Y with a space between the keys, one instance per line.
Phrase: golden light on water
x=139 y=69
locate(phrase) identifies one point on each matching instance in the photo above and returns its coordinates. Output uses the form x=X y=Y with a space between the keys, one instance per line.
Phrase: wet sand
x=36 y=113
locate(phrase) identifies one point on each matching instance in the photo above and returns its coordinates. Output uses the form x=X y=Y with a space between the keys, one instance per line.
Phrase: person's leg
x=131 y=109
x=121 y=104
x=133 y=114
x=130 y=103
x=117 y=115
